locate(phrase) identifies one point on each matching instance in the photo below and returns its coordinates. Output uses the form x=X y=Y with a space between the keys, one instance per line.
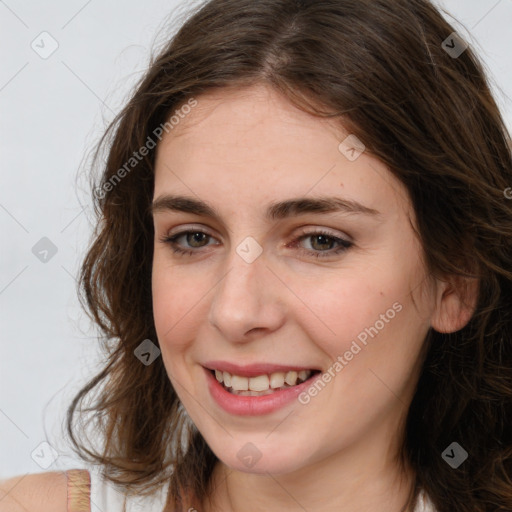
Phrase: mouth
x=263 y=384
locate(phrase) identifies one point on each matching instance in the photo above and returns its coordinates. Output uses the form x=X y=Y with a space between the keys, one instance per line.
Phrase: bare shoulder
x=40 y=492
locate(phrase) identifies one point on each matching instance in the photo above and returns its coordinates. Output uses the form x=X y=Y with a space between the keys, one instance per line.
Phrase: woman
x=302 y=264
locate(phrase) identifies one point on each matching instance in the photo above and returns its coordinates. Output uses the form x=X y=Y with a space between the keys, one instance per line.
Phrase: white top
x=104 y=497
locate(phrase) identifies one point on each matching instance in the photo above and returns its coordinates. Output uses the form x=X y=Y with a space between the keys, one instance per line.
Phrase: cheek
x=368 y=326
x=364 y=306
x=176 y=300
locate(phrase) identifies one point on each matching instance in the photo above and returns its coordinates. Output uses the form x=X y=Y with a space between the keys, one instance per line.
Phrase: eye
x=321 y=246
x=194 y=238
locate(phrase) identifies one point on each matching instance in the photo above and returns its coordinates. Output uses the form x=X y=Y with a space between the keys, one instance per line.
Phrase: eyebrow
x=275 y=211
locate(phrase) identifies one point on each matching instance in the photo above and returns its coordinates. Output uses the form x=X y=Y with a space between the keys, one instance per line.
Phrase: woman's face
x=276 y=284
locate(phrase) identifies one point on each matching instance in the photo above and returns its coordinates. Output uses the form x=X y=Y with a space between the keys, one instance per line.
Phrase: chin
x=267 y=464
x=257 y=455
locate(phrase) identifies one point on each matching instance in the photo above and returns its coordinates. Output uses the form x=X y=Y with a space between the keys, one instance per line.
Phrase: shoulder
x=40 y=492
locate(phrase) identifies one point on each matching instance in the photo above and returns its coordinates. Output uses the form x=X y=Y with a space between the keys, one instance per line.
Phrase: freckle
x=341 y=185
x=382 y=293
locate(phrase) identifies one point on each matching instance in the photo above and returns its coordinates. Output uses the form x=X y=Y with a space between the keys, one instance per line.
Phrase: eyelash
x=344 y=244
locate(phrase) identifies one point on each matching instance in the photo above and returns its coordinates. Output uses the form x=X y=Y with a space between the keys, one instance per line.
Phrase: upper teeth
x=261 y=382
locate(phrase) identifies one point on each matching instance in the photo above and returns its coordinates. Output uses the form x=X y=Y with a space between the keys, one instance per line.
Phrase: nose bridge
x=245 y=298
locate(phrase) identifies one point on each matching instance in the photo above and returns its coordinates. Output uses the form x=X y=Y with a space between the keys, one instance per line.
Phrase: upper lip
x=254 y=369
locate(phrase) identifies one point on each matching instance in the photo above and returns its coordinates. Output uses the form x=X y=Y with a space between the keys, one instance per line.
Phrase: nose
x=248 y=300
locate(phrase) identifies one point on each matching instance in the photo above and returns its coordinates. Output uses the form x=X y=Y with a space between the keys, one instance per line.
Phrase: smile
x=262 y=384
x=257 y=389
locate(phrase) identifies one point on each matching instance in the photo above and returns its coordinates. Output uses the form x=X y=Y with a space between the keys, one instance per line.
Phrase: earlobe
x=455 y=304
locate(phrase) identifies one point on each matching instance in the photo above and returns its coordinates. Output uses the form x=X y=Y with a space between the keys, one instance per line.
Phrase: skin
x=239 y=150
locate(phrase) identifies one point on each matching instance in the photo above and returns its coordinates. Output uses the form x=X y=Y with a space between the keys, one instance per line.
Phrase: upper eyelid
x=304 y=233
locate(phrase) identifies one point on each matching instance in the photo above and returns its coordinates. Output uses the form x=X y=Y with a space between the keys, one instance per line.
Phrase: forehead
x=239 y=111
x=253 y=142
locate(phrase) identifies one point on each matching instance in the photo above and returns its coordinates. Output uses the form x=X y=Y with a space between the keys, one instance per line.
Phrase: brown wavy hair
x=380 y=68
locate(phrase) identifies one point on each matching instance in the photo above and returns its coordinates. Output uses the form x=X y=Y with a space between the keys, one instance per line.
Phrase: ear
x=456 y=301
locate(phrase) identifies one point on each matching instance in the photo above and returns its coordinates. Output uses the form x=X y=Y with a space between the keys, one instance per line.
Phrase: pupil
x=324 y=238
x=198 y=237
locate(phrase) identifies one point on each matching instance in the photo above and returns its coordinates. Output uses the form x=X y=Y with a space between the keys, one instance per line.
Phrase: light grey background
x=52 y=113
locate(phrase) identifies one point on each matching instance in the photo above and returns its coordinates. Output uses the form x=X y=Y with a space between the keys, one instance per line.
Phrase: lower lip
x=254 y=405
